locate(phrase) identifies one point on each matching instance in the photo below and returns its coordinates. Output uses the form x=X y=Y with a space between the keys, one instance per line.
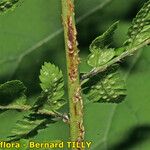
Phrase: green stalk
x=72 y=61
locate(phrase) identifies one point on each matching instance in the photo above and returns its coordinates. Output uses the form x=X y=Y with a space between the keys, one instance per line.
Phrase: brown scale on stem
x=73 y=52
x=78 y=99
x=72 y=43
x=70 y=6
x=74 y=89
x=73 y=69
x=81 y=128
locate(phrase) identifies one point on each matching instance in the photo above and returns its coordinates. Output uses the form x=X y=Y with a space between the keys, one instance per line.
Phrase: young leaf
x=50 y=76
x=52 y=84
x=105 y=87
x=100 y=53
x=105 y=39
x=139 y=36
x=6 y=5
x=12 y=93
x=48 y=102
x=140 y=29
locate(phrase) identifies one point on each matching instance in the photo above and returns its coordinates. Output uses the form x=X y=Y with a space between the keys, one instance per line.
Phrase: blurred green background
x=32 y=34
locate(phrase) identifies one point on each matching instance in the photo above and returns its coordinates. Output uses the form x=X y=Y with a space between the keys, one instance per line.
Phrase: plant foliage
x=102 y=57
x=140 y=29
x=44 y=111
x=103 y=84
x=106 y=87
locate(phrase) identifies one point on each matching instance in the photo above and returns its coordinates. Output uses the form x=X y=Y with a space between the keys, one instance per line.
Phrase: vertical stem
x=72 y=58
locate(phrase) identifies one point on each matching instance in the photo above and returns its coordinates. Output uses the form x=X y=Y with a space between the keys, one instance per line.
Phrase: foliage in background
x=104 y=109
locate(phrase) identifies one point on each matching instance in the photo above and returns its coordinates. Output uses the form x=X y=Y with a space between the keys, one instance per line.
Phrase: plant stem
x=72 y=61
x=100 y=69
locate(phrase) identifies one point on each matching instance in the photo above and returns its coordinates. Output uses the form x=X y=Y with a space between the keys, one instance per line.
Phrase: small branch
x=100 y=69
x=72 y=61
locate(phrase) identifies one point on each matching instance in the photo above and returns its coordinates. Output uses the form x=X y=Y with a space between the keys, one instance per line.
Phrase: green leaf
x=46 y=104
x=105 y=39
x=106 y=87
x=36 y=119
x=100 y=53
x=18 y=36
x=24 y=48
x=50 y=76
x=6 y=5
x=49 y=101
x=53 y=86
x=35 y=22
x=12 y=93
x=140 y=29
x=53 y=106
x=118 y=124
x=100 y=57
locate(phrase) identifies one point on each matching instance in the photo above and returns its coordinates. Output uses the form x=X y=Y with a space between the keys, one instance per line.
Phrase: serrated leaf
x=127 y=119
x=53 y=106
x=100 y=51
x=50 y=75
x=105 y=39
x=100 y=57
x=49 y=101
x=105 y=87
x=12 y=93
x=44 y=28
x=6 y=5
x=53 y=88
x=140 y=29
x=47 y=105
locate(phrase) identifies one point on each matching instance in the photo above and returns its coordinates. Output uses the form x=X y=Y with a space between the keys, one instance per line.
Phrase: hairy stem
x=128 y=52
x=72 y=61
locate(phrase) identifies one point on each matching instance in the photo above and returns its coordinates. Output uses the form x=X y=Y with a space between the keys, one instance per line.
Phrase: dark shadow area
x=135 y=137
x=11 y=91
x=134 y=10
x=2 y=111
